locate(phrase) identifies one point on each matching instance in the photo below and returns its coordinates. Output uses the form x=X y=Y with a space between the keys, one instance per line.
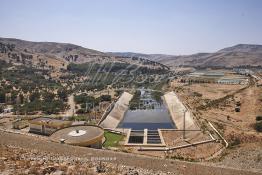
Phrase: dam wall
x=177 y=110
x=117 y=113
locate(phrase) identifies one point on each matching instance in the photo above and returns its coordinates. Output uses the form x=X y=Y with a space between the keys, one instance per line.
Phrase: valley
x=149 y=107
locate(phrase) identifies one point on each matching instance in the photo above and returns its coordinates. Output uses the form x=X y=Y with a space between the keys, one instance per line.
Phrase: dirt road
x=71 y=104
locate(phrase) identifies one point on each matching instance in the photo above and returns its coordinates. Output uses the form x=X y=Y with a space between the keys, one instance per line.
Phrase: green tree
x=48 y=96
x=34 y=96
x=53 y=107
x=105 y=98
x=21 y=97
x=62 y=94
x=258 y=126
x=157 y=96
x=14 y=96
x=2 y=97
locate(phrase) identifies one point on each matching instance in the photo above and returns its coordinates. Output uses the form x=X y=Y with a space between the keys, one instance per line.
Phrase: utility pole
x=184 y=130
x=95 y=114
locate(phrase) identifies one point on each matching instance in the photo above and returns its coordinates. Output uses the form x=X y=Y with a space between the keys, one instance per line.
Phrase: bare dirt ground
x=212 y=91
x=71 y=103
x=15 y=160
x=193 y=153
x=247 y=156
x=216 y=103
x=21 y=154
x=6 y=122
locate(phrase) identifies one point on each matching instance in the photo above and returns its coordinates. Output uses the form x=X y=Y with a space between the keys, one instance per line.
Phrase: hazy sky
x=146 y=26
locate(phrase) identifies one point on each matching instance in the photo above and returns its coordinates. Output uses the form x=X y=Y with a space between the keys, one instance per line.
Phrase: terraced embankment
x=179 y=167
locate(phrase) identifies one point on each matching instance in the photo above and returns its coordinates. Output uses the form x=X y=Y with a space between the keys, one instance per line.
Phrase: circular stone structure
x=81 y=135
x=77 y=133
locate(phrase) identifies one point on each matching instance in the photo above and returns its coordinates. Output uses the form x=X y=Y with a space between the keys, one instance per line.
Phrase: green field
x=112 y=139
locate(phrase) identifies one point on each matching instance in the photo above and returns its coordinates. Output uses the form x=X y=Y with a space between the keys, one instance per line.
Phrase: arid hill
x=59 y=55
x=239 y=55
x=51 y=55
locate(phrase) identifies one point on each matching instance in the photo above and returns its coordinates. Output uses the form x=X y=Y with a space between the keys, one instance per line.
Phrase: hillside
x=51 y=55
x=47 y=55
x=243 y=48
x=57 y=56
x=239 y=55
x=153 y=57
x=33 y=74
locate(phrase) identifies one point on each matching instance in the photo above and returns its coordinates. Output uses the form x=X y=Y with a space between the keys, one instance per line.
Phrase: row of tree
x=87 y=103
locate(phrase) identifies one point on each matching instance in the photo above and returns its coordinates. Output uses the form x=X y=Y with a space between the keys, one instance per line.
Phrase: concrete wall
x=177 y=109
x=97 y=145
x=118 y=112
x=38 y=129
x=35 y=128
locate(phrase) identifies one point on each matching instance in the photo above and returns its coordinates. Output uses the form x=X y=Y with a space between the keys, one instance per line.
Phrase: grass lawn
x=112 y=139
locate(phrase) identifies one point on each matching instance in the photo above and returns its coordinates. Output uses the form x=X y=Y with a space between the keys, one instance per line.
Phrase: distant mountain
x=127 y=54
x=153 y=57
x=239 y=55
x=51 y=55
x=243 y=48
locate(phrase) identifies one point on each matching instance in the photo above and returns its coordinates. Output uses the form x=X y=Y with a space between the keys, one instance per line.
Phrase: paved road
x=180 y=167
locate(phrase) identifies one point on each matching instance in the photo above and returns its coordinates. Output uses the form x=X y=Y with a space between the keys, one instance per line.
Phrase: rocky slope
x=25 y=154
x=15 y=160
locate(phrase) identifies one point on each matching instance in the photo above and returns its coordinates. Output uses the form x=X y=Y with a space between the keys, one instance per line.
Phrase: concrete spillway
x=116 y=115
x=119 y=116
x=177 y=110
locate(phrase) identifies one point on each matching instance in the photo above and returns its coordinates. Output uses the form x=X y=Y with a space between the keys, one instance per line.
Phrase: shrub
x=133 y=105
x=48 y=96
x=77 y=118
x=34 y=96
x=157 y=95
x=118 y=92
x=105 y=98
x=234 y=142
x=197 y=94
x=2 y=97
x=258 y=126
x=258 y=118
x=84 y=98
x=80 y=111
x=62 y=94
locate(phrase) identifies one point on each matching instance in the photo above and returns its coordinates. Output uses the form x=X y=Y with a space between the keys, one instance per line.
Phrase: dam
x=151 y=115
x=144 y=125
x=145 y=121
